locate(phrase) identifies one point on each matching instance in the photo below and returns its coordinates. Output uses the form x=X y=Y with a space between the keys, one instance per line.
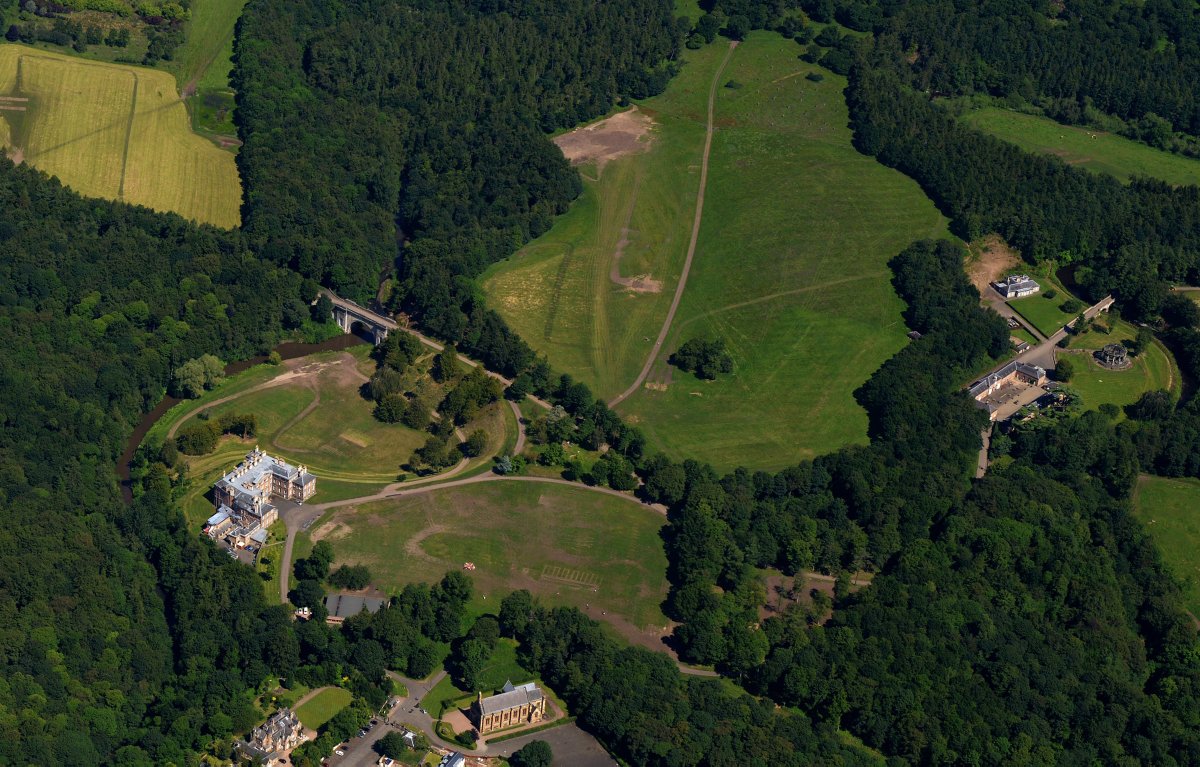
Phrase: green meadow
x=1170 y=510
x=557 y=292
x=790 y=268
x=1085 y=147
x=569 y=546
x=790 y=271
x=1044 y=313
x=322 y=707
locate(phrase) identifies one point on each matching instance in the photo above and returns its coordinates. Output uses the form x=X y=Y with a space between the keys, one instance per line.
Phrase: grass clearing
x=569 y=546
x=1170 y=509
x=558 y=291
x=322 y=707
x=788 y=272
x=785 y=272
x=1094 y=150
x=1098 y=385
x=1044 y=313
x=205 y=58
x=318 y=418
x=117 y=132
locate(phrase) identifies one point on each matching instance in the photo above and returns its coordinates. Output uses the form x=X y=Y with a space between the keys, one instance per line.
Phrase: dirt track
x=691 y=251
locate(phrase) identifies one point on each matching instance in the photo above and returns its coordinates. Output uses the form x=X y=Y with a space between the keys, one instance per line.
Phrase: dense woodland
x=424 y=123
x=126 y=641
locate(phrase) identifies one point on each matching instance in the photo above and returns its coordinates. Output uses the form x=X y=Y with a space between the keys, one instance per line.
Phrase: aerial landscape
x=552 y=382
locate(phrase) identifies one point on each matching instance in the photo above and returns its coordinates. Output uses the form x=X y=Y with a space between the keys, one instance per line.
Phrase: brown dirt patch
x=622 y=134
x=989 y=259
x=331 y=531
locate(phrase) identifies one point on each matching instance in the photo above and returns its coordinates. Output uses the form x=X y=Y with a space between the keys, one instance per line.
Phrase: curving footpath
x=691 y=251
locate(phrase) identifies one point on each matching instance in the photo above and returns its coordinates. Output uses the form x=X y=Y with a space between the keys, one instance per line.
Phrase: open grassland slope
x=1085 y=147
x=113 y=131
x=790 y=271
x=593 y=291
x=1170 y=509
x=204 y=58
x=570 y=546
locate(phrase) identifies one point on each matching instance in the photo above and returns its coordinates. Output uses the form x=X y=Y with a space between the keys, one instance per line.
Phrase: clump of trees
x=194 y=377
x=707 y=358
x=353 y=577
x=201 y=437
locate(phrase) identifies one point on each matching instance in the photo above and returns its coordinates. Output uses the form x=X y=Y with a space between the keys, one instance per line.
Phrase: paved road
x=691 y=251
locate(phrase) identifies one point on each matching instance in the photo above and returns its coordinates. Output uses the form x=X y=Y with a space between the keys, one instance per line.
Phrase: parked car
x=340 y=752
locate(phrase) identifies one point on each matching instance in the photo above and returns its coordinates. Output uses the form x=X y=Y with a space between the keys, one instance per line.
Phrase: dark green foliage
x=640 y=706
x=475 y=443
x=109 y=645
x=1180 y=311
x=1040 y=205
x=705 y=358
x=472 y=392
x=1071 y=306
x=391 y=408
x=1064 y=369
x=425 y=123
x=353 y=577
x=536 y=753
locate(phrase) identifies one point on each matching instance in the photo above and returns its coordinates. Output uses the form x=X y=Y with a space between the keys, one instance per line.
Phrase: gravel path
x=691 y=251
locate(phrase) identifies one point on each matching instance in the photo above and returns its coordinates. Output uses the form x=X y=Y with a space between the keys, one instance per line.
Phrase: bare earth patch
x=990 y=259
x=622 y=134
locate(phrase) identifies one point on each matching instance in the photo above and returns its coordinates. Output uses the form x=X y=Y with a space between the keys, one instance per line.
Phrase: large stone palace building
x=513 y=706
x=243 y=497
x=282 y=732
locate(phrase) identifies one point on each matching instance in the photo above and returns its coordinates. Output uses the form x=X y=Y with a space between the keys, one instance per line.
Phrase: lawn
x=790 y=271
x=1044 y=313
x=501 y=667
x=569 y=546
x=320 y=708
x=1097 y=385
x=1085 y=147
x=114 y=131
x=320 y=419
x=204 y=59
x=1170 y=509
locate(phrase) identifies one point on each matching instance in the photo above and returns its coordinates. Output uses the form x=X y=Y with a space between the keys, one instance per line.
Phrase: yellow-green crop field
x=113 y=131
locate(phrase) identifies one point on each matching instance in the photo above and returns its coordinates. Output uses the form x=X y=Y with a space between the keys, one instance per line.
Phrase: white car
x=340 y=752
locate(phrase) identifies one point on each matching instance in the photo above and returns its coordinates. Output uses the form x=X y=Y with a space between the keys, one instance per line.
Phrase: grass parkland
x=789 y=280
x=1082 y=147
x=567 y=545
x=1170 y=510
x=114 y=131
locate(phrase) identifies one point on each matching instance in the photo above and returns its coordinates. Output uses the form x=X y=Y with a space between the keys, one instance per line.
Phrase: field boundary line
x=128 y=135
x=691 y=251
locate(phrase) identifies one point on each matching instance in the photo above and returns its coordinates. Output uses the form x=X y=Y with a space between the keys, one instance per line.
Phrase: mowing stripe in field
x=114 y=131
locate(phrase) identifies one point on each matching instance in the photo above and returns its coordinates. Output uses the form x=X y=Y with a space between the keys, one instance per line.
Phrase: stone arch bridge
x=346 y=313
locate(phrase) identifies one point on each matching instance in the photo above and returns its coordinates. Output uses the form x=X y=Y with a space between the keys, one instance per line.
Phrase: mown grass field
x=1084 y=147
x=1098 y=385
x=569 y=546
x=114 y=131
x=320 y=708
x=790 y=271
x=205 y=57
x=557 y=292
x=1045 y=313
x=1170 y=509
